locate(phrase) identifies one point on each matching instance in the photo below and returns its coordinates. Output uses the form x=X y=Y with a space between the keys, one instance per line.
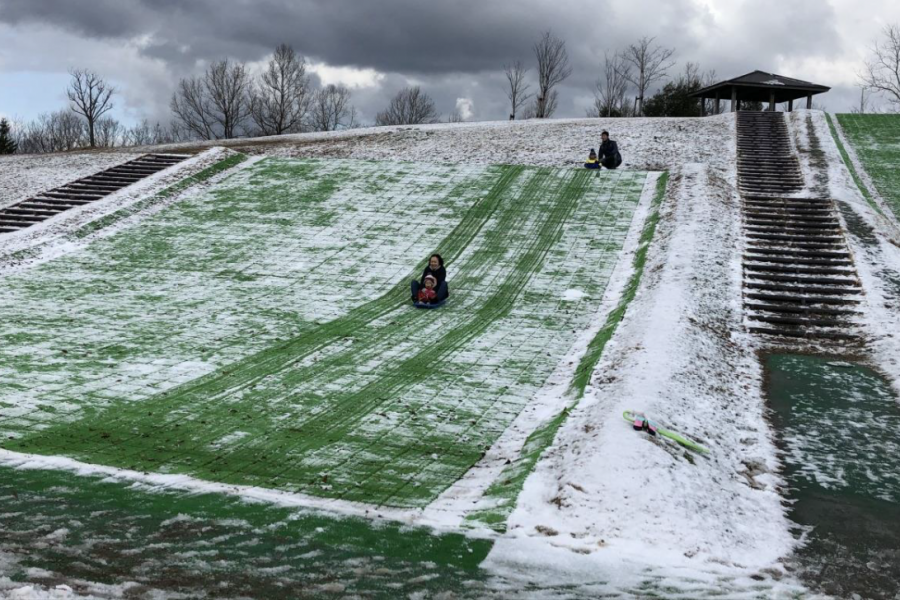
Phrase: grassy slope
x=503 y=492
x=381 y=403
x=876 y=141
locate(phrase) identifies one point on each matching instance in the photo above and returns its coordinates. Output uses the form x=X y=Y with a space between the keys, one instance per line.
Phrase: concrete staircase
x=799 y=277
x=83 y=191
x=766 y=163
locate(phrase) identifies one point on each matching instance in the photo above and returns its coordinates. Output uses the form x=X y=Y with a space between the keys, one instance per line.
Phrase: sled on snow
x=640 y=422
x=432 y=305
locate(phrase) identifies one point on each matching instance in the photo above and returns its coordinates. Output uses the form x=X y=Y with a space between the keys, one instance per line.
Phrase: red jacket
x=426 y=295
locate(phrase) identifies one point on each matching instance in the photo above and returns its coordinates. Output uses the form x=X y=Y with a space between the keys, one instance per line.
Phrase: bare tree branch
x=331 y=109
x=411 y=106
x=91 y=97
x=651 y=64
x=553 y=68
x=517 y=91
x=280 y=100
x=881 y=72
x=609 y=95
x=216 y=105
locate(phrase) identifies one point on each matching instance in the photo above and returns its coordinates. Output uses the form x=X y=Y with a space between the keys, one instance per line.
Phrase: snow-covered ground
x=609 y=509
x=646 y=144
x=23 y=176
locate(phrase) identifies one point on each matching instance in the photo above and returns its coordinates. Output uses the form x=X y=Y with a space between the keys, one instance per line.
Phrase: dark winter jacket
x=609 y=154
x=440 y=275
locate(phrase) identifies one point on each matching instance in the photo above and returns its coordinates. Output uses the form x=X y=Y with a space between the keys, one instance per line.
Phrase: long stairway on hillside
x=83 y=191
x=799 y=277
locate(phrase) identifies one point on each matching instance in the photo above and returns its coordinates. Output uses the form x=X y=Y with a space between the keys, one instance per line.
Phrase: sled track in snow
x=83 y=191
x=366 y=406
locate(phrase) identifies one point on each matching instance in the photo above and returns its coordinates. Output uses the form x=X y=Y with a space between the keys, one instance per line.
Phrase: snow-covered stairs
x=766 y=163
x=83 y=191
x=799 y=278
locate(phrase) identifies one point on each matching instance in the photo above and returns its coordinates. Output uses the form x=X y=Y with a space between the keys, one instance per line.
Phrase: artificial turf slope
x=876 y=140
x=261 y=334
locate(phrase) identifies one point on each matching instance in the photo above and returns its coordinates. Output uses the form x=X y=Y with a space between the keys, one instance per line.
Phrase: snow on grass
x=23 y=175
x=61 y=233
x=651 y=144
x=874 y=143
x=298 y=256
x=632 y=505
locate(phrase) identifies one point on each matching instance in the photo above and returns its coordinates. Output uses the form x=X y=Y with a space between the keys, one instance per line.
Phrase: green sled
x=631 y=415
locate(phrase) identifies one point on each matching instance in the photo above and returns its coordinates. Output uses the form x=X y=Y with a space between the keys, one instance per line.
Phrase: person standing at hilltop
x=609 y=152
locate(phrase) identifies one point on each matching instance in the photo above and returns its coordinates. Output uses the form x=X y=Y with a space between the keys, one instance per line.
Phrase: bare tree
x=214 y=106
x=609 y=95
x=517 y=92
x=553 y=68
x=881 y=72
x=411 y=106
x=91 y=97
x=650 y=64
x=280 y=100
x=455 y=116
x=109 y=132
x=138 y=135
x=865 y=101
x=331 y=109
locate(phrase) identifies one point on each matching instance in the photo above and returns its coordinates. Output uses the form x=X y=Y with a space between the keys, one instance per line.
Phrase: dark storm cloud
x=454 y=47
x=394 y=35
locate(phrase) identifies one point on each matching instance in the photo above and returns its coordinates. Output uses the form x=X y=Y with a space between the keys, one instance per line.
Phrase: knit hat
x=431 y=277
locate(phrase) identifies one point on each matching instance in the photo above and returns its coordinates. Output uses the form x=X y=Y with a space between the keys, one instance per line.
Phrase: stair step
x=807 y=270
x=800 y=309
x=803 y=333
x=803 y=290
x=801 y=278
x=794 y=300
x=792 y=260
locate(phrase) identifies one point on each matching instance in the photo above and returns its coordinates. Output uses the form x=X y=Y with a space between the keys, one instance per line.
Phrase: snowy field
x=266 y=321
x=646 y=144
x=211 y=345
x=23 y=176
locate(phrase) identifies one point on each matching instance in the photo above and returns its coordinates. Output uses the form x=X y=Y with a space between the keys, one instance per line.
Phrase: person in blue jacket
x=592 y=162
x=609 y=152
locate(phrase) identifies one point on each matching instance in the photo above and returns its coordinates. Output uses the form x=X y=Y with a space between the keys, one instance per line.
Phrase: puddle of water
x=838 y=425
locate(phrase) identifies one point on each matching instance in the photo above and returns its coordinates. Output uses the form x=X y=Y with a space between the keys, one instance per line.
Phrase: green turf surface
x=876 y=141
x=503 y=492
x=63 y=527
x=261 y=334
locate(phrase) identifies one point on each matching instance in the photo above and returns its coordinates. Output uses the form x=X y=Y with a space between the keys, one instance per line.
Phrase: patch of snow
x=573 y=295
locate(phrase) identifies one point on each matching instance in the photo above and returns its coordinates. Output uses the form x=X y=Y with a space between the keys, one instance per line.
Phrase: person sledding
x=609 y=154
x=592 y=161
x=438 y=274
x=427 y=294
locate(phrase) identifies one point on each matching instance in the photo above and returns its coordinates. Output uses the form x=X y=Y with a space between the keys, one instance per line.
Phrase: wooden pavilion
x=760 y=87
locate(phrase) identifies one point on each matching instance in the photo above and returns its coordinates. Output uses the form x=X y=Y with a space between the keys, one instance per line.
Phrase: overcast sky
x=454 y=49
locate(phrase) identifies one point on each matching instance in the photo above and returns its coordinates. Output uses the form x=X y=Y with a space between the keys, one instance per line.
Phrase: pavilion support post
x=734 y=100
x=718 y=102
x=809 y=102
x=772 y=102
x=790 y=106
